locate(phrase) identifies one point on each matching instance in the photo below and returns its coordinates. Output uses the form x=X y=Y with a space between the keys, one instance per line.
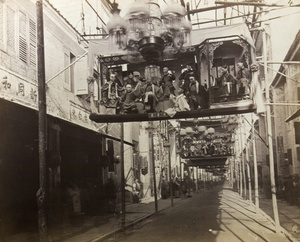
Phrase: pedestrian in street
x=110 y=192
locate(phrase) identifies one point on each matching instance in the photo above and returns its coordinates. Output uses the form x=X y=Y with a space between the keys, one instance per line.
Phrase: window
x=69 y=72
x=27 y=39
x=7 y=27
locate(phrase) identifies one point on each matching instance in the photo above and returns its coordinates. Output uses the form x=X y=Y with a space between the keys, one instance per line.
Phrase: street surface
x=213 y=215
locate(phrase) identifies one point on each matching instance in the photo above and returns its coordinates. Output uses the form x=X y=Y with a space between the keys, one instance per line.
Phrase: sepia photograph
x=149 y=120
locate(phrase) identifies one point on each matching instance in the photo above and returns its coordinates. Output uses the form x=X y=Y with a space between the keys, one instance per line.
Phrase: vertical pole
x=238 y=166
x=236 y=170
x=122 y=179
x=170 y=167
x=153 y=163
x=247 y=165
x=41 y=193
x=231 y=173
x=249 y=178
x=197 y=177
x=242 y=161
x=255 y=166
x=270 y=141
x=241 y=178
x=180 y=165
x=170 y=176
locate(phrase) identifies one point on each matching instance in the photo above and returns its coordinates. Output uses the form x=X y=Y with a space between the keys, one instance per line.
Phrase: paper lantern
x=201 y=128
x=189 y=130
x=182 y=132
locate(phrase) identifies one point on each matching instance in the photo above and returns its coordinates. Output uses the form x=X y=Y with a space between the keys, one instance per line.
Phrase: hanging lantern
x=182 y=37
x=189 y=130
x=201 y=128
x=117 y=32
x=177 y=29
x=232 y=120
x=182 y=132
x=210 y=130
x=137 y=18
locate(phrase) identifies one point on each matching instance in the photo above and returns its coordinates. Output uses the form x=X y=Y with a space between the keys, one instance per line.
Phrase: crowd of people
x=230 y=87
x=183 y=94
x=184 y=187
x=125 y=95
x=289 y=189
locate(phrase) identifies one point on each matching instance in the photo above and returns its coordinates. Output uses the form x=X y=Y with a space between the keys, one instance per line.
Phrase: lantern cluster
x=147 y=30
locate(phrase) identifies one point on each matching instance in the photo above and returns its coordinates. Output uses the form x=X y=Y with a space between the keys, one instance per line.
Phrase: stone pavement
x=135 y=213
x=289 y=216
x=100 y=228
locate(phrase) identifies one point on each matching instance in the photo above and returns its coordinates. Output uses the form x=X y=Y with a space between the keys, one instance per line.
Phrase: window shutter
x=22 y=38
x=81 y=74
x=32 y=41
x=11 y=28
x=67 y=71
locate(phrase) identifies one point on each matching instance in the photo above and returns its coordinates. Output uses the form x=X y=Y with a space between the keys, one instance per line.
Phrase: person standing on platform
x=184 y=77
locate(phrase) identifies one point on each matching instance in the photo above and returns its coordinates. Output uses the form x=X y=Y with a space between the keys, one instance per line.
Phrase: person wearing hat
x=111 y=92
x=166 y=82
x=243 y=80
x=184 y=77
x=129 y=79
x=227 y=84
x=129 y=99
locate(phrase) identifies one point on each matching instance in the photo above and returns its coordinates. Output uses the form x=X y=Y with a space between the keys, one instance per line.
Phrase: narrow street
x=121 y=120
x=213 y=215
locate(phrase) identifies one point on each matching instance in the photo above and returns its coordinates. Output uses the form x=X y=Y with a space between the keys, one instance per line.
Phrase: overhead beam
x=91 y=6
x=208 y=9
x=119 y=118
x=254 y=4
x=234 y=17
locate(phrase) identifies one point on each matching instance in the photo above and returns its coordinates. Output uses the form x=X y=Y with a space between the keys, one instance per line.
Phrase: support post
x=168 y=145
x=243 y=160
x=249 y=182
x=236 y=170
x=241 y=178
x=41 y=193
x=170 y=175
x=123 y=218
x=247 y=164
x=151 y=146
x=256 y=196
x=270 y=140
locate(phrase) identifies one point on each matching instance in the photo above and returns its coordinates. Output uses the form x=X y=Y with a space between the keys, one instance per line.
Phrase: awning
x=293 y=116
x=200 y=35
